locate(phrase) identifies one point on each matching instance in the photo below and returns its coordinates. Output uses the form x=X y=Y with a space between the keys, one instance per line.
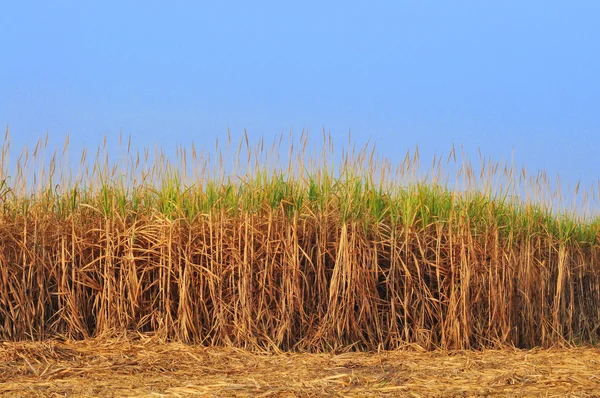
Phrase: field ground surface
x=141 y=367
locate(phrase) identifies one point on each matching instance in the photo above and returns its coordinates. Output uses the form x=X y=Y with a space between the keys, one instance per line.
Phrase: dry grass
x=149 y=367
x=307 y=257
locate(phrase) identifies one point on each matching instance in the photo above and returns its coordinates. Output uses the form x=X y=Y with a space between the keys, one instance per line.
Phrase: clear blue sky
x=501 y=75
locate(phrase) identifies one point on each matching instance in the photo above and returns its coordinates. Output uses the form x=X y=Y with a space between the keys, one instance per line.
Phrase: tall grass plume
x=257 y=246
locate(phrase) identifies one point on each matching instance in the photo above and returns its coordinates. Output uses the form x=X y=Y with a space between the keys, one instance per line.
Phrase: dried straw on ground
x=148 y=367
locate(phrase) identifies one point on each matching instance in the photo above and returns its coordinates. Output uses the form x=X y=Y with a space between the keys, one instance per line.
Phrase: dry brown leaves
x=147 y=367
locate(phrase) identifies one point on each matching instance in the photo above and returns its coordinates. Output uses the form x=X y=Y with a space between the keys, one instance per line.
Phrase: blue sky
x=501 y=76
